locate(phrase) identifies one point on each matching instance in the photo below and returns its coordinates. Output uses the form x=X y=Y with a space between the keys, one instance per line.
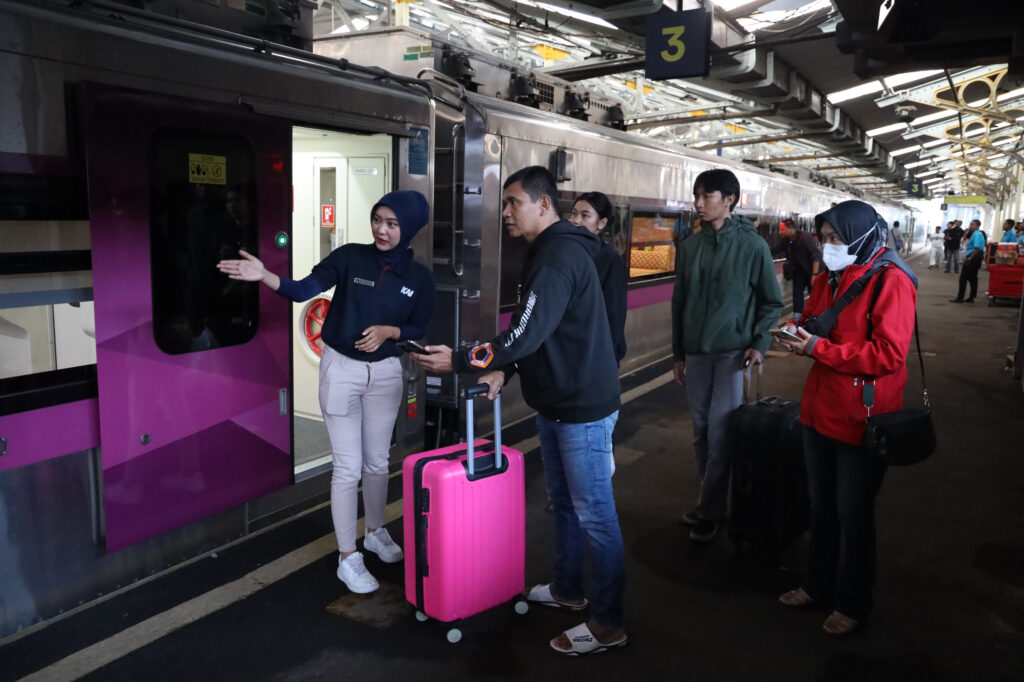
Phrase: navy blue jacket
x=368 y=292
x=559 y=340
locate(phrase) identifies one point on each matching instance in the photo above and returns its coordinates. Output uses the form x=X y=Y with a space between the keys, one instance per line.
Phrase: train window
x=202 y=209
x=652 y=246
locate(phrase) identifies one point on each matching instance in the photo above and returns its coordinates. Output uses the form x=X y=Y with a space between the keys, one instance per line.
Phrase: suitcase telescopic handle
x=748 y=378
x=472 y=392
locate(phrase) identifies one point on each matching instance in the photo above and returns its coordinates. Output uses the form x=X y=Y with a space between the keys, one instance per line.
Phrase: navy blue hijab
x=863 y=231
x=413 y=211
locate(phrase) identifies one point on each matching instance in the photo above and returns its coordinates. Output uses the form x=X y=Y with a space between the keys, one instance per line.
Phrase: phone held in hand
x=785 y=335
x=413 y=347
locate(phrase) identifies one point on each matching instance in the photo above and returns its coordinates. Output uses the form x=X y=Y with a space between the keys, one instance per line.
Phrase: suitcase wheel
x=454 y=635
x=421 y=617
x=521 y=606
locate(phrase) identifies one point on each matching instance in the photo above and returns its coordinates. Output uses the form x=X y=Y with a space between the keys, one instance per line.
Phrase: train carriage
x=151 y=410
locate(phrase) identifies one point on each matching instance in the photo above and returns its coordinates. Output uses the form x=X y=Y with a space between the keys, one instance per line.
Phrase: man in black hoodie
x=560 y=344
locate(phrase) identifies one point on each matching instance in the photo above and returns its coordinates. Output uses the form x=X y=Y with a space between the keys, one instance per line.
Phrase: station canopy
x=854 y=94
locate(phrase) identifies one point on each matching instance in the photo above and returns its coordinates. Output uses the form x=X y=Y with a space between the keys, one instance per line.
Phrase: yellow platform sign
x=969 y=199
x=207 y=169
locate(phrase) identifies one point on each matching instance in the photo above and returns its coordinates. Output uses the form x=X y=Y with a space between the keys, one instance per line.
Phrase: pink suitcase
x=465 y=526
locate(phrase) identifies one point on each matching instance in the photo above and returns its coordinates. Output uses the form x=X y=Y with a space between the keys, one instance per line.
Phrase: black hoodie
x=558 y=339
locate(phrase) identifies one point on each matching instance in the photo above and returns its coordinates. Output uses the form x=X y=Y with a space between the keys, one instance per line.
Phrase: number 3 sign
x=677 y=45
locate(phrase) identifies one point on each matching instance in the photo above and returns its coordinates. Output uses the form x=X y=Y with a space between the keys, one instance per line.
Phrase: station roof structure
x=860 y=94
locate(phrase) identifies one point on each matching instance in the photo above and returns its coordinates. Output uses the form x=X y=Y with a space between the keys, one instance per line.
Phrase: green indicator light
x=281 y=239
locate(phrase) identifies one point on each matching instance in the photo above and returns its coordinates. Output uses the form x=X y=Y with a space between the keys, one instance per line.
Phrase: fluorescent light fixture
x=905 y=150
x=856 y=91
x=904 y=78
x=930 y=181
x=872 y=87
x=589 y=18
x=917 y=163
x=925 y=175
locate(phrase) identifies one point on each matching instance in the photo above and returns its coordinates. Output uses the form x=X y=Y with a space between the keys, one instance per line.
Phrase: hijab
x=413 y=211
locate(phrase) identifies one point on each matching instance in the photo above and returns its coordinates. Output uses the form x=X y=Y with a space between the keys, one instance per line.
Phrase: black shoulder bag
x=905 y=436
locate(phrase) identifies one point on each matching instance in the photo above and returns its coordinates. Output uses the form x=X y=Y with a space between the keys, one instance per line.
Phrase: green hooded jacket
x=726 y=295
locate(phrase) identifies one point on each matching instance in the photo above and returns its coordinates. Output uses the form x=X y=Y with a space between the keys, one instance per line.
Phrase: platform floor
x=950 y=594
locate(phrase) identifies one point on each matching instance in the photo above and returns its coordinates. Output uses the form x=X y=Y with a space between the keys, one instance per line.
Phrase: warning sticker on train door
x=207 y=169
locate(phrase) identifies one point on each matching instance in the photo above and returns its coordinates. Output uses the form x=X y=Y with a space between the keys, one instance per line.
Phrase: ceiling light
x=917 y=163
x=924 y=175
x=904 y=78
x=855 y=92
x=589 y=18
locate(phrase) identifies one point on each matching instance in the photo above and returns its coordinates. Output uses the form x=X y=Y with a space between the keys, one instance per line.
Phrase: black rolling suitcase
x=770 y=505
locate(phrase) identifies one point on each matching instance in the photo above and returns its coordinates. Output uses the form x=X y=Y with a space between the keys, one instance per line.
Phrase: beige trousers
x=359 y=401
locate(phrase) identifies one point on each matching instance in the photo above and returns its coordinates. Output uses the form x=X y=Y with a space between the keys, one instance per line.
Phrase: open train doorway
x=337 y=179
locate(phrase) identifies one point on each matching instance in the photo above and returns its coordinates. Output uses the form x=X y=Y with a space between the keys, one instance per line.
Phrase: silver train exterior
x=142 y=435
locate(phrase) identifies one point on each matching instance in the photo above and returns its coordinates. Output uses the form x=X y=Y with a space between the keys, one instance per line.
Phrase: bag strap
x=869 y=381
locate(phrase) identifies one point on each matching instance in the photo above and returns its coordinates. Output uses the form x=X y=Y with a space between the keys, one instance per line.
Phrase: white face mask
x=836 y=257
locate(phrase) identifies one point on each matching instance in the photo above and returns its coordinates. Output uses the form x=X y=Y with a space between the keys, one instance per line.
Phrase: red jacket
x=833 y=398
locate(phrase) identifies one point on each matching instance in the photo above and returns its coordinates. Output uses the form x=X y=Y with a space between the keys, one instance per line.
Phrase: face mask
x=836 y=257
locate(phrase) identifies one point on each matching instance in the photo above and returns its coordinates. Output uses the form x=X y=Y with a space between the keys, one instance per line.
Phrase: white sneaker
x=352 y=571
x=380 y=543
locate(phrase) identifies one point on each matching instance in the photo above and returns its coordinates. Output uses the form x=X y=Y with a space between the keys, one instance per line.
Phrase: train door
x=192 y=367
x=337 y=178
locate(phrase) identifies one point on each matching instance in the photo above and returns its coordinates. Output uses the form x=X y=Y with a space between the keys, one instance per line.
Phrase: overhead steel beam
x=581 y=71
x=761 y=138
x=673 y=120
x=925 y=92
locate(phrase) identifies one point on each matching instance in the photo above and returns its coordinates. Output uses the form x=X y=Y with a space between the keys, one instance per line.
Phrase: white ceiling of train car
x=979 y=163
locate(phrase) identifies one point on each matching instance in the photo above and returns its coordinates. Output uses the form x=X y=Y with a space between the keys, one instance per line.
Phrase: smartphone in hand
x=784 y=335
x=413 y=347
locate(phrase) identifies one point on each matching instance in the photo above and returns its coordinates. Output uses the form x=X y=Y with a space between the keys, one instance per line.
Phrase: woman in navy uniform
x=381 y=296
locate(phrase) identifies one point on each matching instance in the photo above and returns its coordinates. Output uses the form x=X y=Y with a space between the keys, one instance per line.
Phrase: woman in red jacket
x=843 y=478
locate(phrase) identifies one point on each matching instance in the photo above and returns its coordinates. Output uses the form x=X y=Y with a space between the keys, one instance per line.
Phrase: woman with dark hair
x=593 y=211
x=866 y=346
x=381 y=295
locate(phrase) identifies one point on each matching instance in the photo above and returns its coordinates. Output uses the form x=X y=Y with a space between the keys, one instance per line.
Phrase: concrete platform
x=950 y=594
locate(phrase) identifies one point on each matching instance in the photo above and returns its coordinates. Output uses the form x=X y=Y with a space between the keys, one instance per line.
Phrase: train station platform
x=950 y=593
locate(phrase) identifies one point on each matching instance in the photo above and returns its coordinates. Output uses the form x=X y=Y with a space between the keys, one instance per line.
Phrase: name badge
x=364 y=282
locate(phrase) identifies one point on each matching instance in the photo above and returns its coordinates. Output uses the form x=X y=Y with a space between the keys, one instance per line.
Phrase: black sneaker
x=968 y=300
x=690 y=518
x=956 y=300
x=704 y=531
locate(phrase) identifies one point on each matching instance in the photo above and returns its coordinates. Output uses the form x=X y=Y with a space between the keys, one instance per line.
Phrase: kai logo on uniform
x=207 y=169
x=408 y=292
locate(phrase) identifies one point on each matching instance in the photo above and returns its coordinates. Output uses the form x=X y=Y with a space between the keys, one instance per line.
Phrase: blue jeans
x=843 y=483
x=714 y=387
x=578 y=466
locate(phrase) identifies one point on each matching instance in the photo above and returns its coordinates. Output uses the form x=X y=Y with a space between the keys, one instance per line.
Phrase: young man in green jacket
x=725 y=300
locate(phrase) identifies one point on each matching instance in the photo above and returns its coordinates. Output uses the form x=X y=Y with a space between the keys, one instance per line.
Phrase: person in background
x=381 y=296
x=936 y=245
x=802 y=260
x=1010 y=234
x=954 y=233
x=974 y=255
x=897 y=236
x=593 y=211
x=869 y=339
x=725 y=299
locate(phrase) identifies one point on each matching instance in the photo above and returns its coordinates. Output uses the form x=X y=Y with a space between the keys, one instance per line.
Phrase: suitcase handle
x=472 y=392
x=746 y=382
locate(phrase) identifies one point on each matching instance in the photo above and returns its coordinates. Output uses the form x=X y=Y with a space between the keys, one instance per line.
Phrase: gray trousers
x=714 y=387
x=360 y=402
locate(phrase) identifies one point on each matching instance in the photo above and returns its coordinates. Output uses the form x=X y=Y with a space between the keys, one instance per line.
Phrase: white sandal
x=583 y=642
x=541 y=594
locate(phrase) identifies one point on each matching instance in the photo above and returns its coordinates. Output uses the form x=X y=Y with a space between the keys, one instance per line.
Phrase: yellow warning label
x=206 y=169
